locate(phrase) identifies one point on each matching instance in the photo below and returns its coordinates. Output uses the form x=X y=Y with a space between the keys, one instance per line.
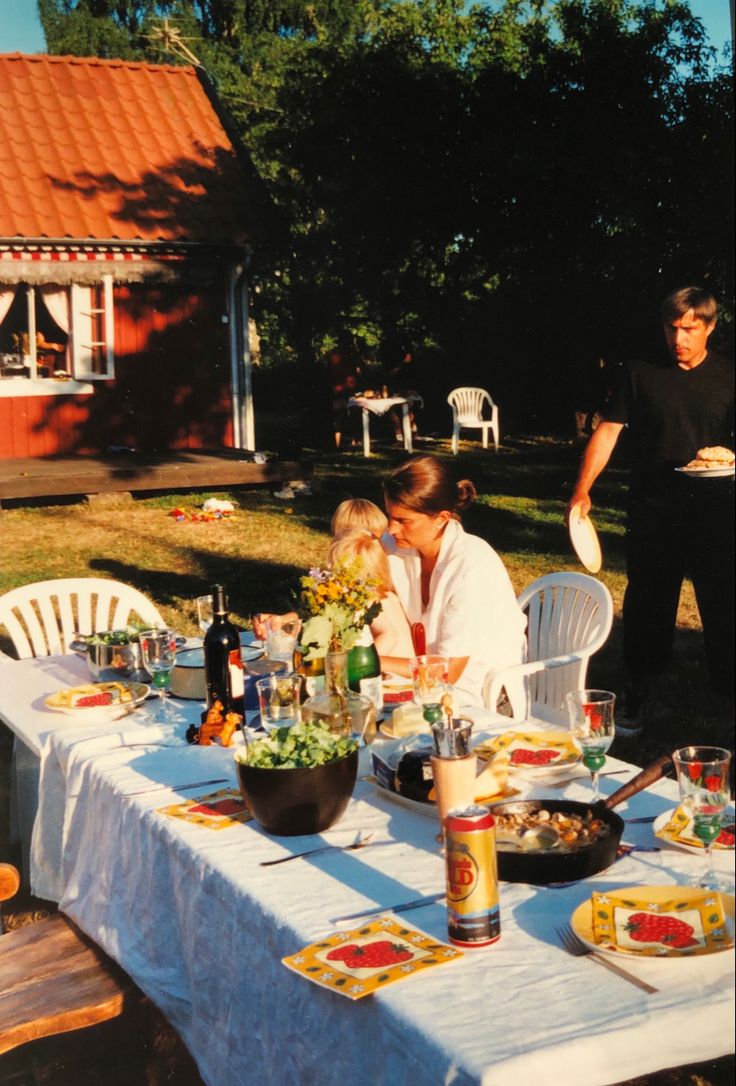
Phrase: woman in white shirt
x=452 y=582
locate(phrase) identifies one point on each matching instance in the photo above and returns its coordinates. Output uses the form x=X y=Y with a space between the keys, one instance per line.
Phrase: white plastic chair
x=569 y=618
x=467 y=413
x=42 y=618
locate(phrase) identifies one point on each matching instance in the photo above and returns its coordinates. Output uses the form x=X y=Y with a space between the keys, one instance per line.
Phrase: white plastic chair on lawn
x=467 y=413
x=42 y=618
x=569 y=618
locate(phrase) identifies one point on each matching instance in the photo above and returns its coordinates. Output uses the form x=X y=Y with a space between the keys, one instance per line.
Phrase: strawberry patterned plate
x=366 y=960
x=98 y=701
x=656 y=921
x=676 y=827
x=533 y=753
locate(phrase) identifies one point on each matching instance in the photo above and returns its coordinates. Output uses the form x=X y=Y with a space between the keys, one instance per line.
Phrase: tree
x=514 y=184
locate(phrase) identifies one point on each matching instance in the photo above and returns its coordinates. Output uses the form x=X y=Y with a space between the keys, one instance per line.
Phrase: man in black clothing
x=677 y=525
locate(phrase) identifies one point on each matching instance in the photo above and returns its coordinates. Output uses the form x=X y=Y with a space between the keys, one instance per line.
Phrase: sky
x=20 y=28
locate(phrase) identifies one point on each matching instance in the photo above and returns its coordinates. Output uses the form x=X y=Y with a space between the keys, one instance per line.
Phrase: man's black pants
x=665 y=543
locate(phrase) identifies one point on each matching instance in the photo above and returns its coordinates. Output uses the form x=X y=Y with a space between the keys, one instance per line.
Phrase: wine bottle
x=364 y=670
x=223 y=662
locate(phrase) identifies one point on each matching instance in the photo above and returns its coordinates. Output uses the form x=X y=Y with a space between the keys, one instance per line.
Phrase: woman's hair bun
x=466 y=493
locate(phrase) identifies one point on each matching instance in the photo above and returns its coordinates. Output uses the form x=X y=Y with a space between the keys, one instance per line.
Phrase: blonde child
x=390 y=629
x=356 y=513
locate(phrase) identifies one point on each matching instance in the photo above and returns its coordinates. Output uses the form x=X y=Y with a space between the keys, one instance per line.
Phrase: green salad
x=302 y=746
x=123 y=636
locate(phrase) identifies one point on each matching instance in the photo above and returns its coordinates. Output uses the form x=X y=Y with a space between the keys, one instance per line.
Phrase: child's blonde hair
x=362 y=545
x=358 y=513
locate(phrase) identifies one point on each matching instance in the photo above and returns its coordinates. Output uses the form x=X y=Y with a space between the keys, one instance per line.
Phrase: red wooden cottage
x=124 y=225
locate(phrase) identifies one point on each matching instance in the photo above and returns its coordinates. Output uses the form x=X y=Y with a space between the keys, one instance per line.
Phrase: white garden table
x=201 y=926
x=377 y=405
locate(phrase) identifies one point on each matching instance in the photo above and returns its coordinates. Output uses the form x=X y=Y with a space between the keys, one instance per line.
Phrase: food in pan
x=542 y=830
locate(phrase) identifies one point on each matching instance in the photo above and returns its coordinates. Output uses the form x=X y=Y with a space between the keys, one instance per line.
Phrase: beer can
x=473 y=917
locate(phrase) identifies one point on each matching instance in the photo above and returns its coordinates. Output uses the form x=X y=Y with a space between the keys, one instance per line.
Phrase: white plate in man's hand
x=584 y=539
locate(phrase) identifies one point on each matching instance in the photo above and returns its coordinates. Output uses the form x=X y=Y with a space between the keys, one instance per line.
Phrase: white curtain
x=57 y=301
x=6 y=300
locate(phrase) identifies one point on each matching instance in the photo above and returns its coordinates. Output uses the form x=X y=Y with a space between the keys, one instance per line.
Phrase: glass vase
x=341 y=710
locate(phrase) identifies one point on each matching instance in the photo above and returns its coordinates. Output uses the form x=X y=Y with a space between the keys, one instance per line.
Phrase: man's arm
x=597 y=455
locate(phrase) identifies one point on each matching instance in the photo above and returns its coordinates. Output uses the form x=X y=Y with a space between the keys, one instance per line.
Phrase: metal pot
x=108 y=663
x=545 y=866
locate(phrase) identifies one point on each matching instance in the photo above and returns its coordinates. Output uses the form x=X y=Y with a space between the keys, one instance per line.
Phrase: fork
x=359 y=842
x=578 y=949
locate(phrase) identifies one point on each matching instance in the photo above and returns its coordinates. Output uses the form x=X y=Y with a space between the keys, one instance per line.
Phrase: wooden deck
x=109 y=473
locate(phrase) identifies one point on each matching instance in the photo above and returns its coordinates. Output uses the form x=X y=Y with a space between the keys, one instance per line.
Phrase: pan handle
x=642 y=780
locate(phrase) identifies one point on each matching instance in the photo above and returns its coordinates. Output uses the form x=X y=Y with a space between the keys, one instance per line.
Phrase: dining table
x=201 y=919
x=381 y=405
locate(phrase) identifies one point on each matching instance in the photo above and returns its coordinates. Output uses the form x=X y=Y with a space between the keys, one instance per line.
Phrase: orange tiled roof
x=109 y=149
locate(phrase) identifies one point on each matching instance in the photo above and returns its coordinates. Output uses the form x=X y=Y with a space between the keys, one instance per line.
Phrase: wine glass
x=204 y=613
x=158 y=650
x=592 y=728
x=429 y=679
x=702 y=776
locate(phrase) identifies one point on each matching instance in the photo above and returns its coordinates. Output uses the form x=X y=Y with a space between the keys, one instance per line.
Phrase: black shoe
x=629 y=722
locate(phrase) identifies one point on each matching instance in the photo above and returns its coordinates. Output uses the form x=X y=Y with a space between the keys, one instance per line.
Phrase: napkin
x=363 y=961
x=215 y=810
x=680 y=829
x=532 y=750
x=679 y=922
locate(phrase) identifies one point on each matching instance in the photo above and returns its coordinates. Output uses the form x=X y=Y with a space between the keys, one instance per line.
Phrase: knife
x=176 y=787
x=405 y=906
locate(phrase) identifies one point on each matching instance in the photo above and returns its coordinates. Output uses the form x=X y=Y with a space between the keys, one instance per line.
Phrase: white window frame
x=81 y=332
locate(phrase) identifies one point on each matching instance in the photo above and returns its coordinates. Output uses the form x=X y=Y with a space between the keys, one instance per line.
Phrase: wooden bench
x=53 y=979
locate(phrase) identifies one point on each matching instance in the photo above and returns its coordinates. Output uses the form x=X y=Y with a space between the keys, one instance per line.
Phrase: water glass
x=204 y=613
x=281 y=639
x=280 y=700
x=429 y=677
x=702 y=777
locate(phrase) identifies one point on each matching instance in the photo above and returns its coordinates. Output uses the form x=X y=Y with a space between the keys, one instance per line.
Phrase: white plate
x=584 y=539
x=708 y=473
x=139 y=692
x=662 y=820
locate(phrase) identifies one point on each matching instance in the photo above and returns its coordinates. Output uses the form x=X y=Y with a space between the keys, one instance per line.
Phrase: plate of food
x=396 y=691
x=656 y=921
x=405 y=719
x=405 y=776
x=712 y=462
x=534 y=754
x=676 y=827
x=97 y=701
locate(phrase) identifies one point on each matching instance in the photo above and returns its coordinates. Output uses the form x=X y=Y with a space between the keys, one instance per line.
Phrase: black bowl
x=292 y=802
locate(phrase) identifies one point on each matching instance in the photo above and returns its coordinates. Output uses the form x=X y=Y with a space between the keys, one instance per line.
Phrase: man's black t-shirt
x=671 y=413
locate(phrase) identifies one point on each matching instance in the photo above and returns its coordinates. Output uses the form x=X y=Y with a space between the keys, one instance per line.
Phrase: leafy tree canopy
x=511 y=186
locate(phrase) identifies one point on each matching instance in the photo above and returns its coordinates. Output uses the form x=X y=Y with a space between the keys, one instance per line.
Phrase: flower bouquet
x=339 y=602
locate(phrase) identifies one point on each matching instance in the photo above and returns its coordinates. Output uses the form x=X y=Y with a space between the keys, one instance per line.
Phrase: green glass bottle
x=364 y=670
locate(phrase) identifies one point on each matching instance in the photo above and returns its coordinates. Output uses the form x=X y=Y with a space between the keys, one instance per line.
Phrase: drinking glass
x=158 y=651
x=592 y=728
x=702 y=776
x=279 y=699
x=204 y=613
x=282 y=633
x=429 y=678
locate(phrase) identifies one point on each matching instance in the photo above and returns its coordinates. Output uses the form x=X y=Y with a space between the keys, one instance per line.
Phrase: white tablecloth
x=201 y=927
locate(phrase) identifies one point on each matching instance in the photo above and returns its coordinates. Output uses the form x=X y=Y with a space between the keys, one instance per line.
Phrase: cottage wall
x=170 y=389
